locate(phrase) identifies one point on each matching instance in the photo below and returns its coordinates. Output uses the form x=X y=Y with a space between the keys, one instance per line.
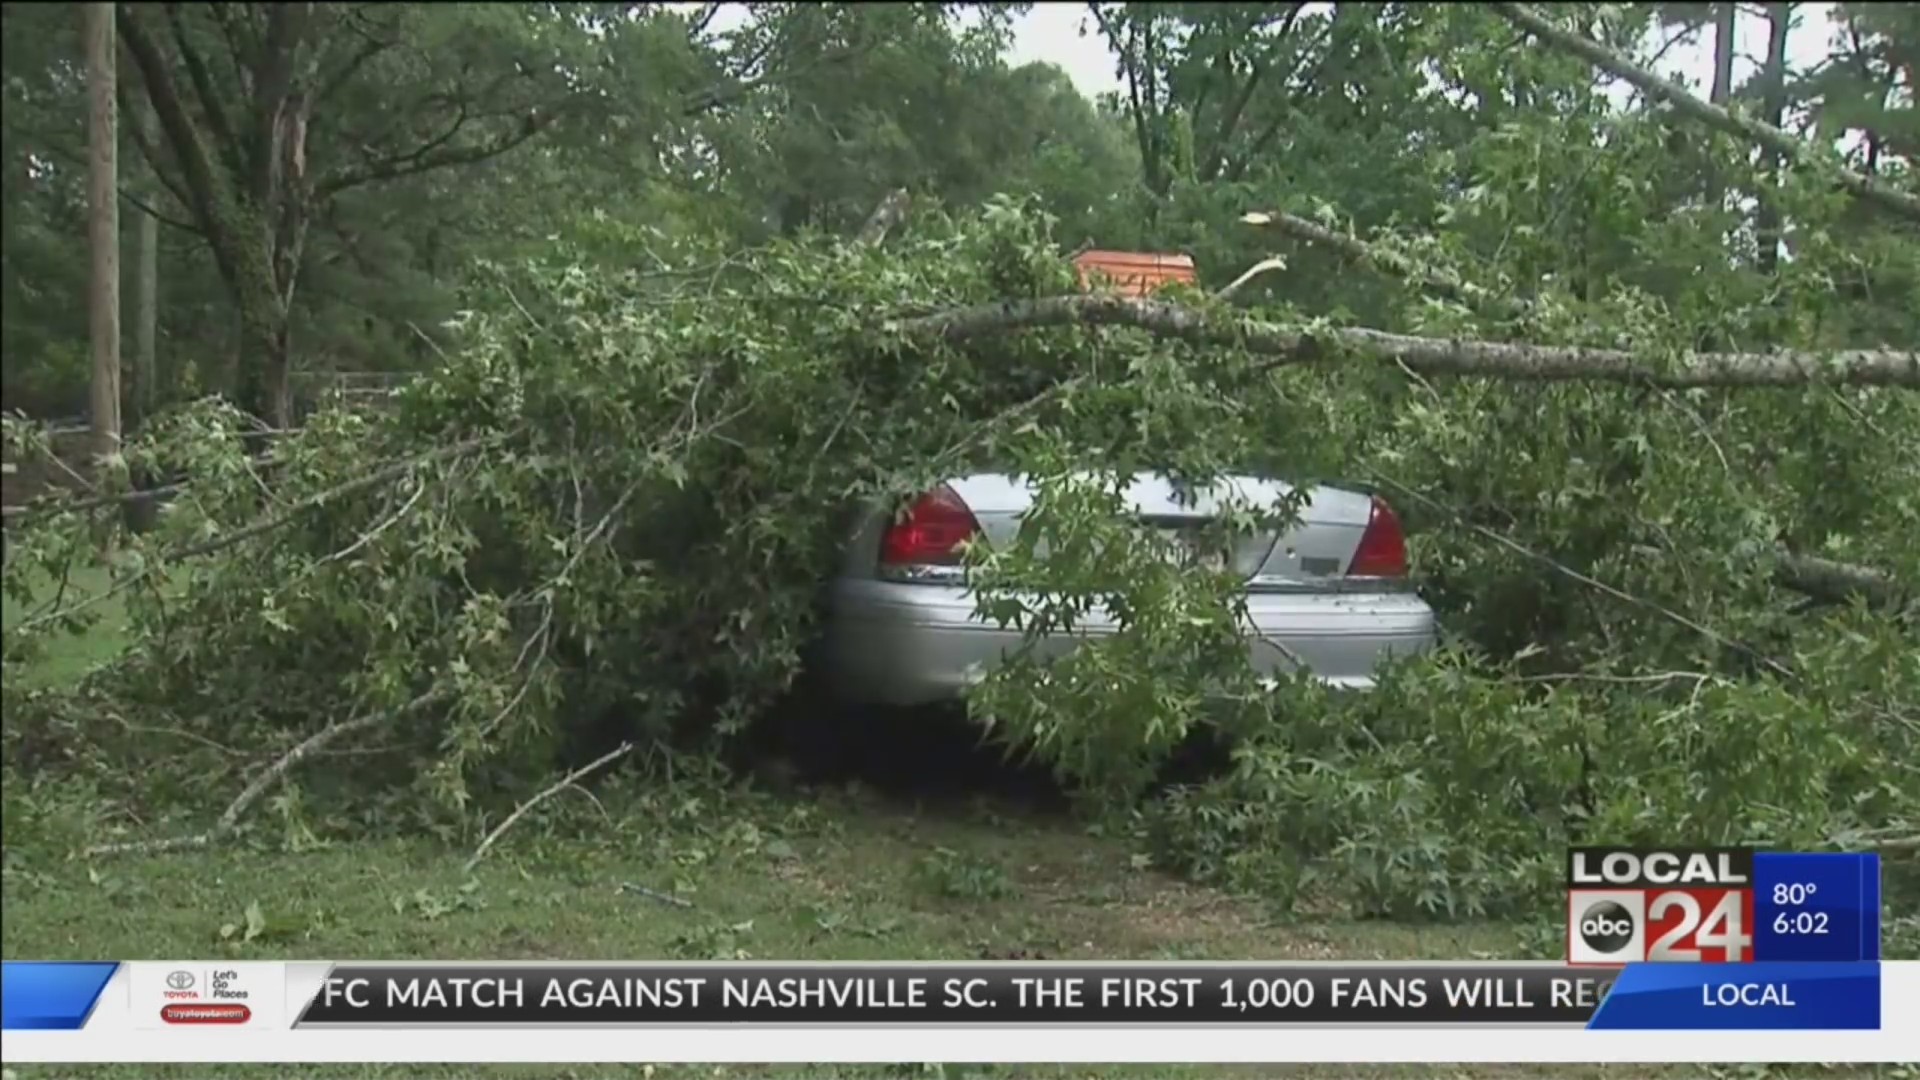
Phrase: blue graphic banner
x=50 y=996
x=1795 y=995
x=1818 y=907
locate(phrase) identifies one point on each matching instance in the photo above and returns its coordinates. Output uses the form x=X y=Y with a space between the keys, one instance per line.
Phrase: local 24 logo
x=1625 y=906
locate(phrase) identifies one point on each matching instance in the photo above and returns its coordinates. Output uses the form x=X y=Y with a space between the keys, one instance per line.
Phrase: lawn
x=73 y=657
x=841 y=871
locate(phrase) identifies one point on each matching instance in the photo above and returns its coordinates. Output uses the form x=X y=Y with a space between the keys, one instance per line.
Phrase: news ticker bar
x=1803 y=996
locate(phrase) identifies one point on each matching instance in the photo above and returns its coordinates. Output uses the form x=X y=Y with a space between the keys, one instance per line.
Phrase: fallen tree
x=608 y=511
x=1823 y=578
x=1830 y=579
x=1285 y=344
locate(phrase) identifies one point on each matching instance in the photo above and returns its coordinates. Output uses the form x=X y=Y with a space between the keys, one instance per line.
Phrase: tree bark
x=248 y=237
x=143 y=381
x=237 y=125
x=103 y=229
x=266 y=361
x=1772 y=138
x=1288 y=345
x=1773 y=105
x=891 y=211
x=1725 y=19
x=1386 y=261
x=1838 y=581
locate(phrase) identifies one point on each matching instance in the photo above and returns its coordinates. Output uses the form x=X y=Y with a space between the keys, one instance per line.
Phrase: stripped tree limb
x=1772 y=138
x=560 y=785
x=1430 y=356
x=1594 y=583
x=891 y=211
x=1264 y=266
x=74 y=506
x=1831 y=580
x=1389 y=262
x=252 y=793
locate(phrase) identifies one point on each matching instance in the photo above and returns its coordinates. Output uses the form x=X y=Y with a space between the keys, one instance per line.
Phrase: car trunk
x=1314 y=554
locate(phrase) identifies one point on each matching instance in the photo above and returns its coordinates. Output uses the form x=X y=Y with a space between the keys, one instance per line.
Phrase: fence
x=23 y=481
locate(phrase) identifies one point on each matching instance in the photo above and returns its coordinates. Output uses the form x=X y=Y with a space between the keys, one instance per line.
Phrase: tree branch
x=1818 y=577
x=435 y=155
x=369 y=49
x=1383 y=259
x=562 y=784
x=148 y=149
x=714 y=97
x=1236 y=168
x=1130 y=63
x=1766 y=135
x=56 y=150
x=204 y=186
x=697 y=22
x=272 y=83
x=239 y=51
x=1230 y=122
x=1831 y=580
x=1288 y=345
x=1557 y=566
x=203 y=87
x=147 y=208
x=261 y=784
x=885 y=216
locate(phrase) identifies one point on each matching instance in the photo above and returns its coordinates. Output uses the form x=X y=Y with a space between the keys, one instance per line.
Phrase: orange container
x=1132 y=273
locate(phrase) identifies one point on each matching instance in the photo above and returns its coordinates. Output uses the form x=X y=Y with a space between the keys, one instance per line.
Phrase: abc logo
x=1606 y=927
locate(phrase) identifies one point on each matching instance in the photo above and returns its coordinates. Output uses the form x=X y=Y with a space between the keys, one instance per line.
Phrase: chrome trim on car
x=923 y=574
x=1373 y=586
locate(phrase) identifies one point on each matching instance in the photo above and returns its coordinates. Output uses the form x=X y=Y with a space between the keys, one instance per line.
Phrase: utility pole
x=103 y=229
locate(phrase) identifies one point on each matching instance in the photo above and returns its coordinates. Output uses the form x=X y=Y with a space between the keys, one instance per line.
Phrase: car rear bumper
x=898 y=643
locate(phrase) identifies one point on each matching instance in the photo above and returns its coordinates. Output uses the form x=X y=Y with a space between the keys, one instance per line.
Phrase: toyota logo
x=180 y=980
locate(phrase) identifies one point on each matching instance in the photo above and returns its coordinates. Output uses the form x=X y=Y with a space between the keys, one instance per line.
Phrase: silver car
x=1330 y=594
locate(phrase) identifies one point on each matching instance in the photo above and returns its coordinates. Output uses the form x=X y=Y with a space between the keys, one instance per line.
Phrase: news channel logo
x=1606 y=927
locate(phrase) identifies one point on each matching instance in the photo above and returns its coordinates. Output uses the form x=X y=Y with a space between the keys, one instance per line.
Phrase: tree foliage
x=652 y=381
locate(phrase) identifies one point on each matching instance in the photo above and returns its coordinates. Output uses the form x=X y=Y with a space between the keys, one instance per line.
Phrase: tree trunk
x=266 y=361
x=143 y=391
x=103 y=230
x=1773 y=106
x=1725 y=16
x=142 y=388
x=253 y=224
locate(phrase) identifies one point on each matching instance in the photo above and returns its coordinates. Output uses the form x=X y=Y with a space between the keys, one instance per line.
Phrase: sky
x=1062 y=34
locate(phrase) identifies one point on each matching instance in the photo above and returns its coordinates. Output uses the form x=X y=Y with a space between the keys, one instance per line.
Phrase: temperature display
x=1816 y=907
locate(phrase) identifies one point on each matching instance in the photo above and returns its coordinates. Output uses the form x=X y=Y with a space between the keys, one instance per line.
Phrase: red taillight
x=1383 y=547
x=931 y=533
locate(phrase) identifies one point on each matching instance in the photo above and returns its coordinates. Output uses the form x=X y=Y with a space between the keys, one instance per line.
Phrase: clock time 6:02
x=1800 y=923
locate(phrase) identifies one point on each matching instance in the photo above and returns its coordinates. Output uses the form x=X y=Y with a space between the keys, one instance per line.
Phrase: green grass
x=69 y=657
x=842 y=875
x=839 y=874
